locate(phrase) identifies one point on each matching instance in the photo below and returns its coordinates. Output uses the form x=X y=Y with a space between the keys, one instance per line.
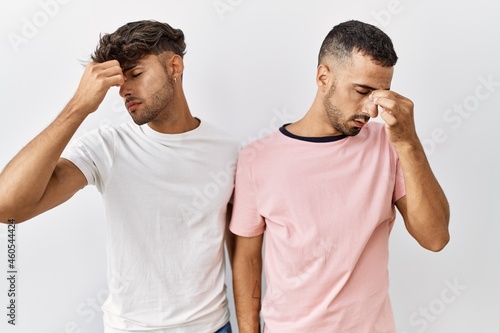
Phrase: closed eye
x=136 y=75
x=362 y=92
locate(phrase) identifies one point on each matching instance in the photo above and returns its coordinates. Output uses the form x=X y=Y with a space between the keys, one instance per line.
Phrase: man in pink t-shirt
x=323 y=190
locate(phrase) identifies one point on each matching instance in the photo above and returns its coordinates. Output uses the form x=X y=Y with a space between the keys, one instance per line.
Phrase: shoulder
x=374 y=129
x=112 y=130
x=372 y=133
x=108 y=135
x=215 y=139
x=209 y=128
x=262 y=147
x=374 y=137
x=215 y=133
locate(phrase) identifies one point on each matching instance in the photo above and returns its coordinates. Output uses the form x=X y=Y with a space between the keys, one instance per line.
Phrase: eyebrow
x=131 y=67
x=368 y=87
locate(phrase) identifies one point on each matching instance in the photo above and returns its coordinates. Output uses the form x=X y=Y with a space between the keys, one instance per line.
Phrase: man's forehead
x=129 y=67
x=140 y=62
x=370 y=75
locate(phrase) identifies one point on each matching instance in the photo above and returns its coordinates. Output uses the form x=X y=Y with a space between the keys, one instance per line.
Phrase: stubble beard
x=336 y=117
x=160 y=102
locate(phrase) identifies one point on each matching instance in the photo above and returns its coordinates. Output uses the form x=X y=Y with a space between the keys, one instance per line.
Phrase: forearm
x=24 y=180
x=247 y=286
x=427 y=209
x=424 y=207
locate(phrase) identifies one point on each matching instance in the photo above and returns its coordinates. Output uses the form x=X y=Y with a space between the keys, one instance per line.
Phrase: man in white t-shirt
x=166 y=179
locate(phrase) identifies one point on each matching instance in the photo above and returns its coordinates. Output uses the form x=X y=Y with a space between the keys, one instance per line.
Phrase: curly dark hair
x=354 y=35
x=135 y=40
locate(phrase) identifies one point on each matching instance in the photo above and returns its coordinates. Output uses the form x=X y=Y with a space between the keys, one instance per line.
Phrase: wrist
x=77 y=110
x=408 y=146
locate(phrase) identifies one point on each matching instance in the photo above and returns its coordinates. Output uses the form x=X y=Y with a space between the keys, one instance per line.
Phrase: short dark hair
x=135 y=40
x=354 y=35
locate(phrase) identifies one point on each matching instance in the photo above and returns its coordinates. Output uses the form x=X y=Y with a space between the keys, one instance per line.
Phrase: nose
x=125 y=88
x=370 y=108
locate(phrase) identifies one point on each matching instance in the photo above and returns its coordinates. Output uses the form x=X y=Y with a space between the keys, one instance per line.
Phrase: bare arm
x=425 y=208
x=230 y=237
x=36 y=179
x=247 y=284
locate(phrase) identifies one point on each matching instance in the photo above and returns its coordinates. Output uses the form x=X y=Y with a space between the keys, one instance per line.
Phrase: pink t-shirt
x=327 y=208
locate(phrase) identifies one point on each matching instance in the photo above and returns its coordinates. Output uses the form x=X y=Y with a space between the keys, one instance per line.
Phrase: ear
x=323 y=77
x=175 y=66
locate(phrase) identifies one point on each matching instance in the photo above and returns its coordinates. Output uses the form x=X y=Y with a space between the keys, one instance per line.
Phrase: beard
x=159 y=104
x=336 y=117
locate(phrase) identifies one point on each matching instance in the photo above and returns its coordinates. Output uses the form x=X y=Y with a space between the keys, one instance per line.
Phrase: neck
x=314 y=124
x=176 y=118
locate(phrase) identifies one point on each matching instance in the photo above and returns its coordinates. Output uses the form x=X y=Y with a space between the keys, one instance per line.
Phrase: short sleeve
x=246 y=220
x=92 y=154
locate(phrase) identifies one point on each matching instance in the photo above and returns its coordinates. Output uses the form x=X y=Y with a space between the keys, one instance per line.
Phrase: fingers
x=386 y=99
x=109 y=73
x=386 y=107
x=95 y=83
x=387 y=116
x=397 y=112
x=391 y=105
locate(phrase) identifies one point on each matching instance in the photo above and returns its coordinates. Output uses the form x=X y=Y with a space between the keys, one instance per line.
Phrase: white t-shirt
x=165 y=197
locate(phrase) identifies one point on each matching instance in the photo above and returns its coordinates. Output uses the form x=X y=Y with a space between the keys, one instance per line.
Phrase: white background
x=250 y=66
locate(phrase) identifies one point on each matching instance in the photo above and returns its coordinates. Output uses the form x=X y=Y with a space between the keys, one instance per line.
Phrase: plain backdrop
x=250 y=67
